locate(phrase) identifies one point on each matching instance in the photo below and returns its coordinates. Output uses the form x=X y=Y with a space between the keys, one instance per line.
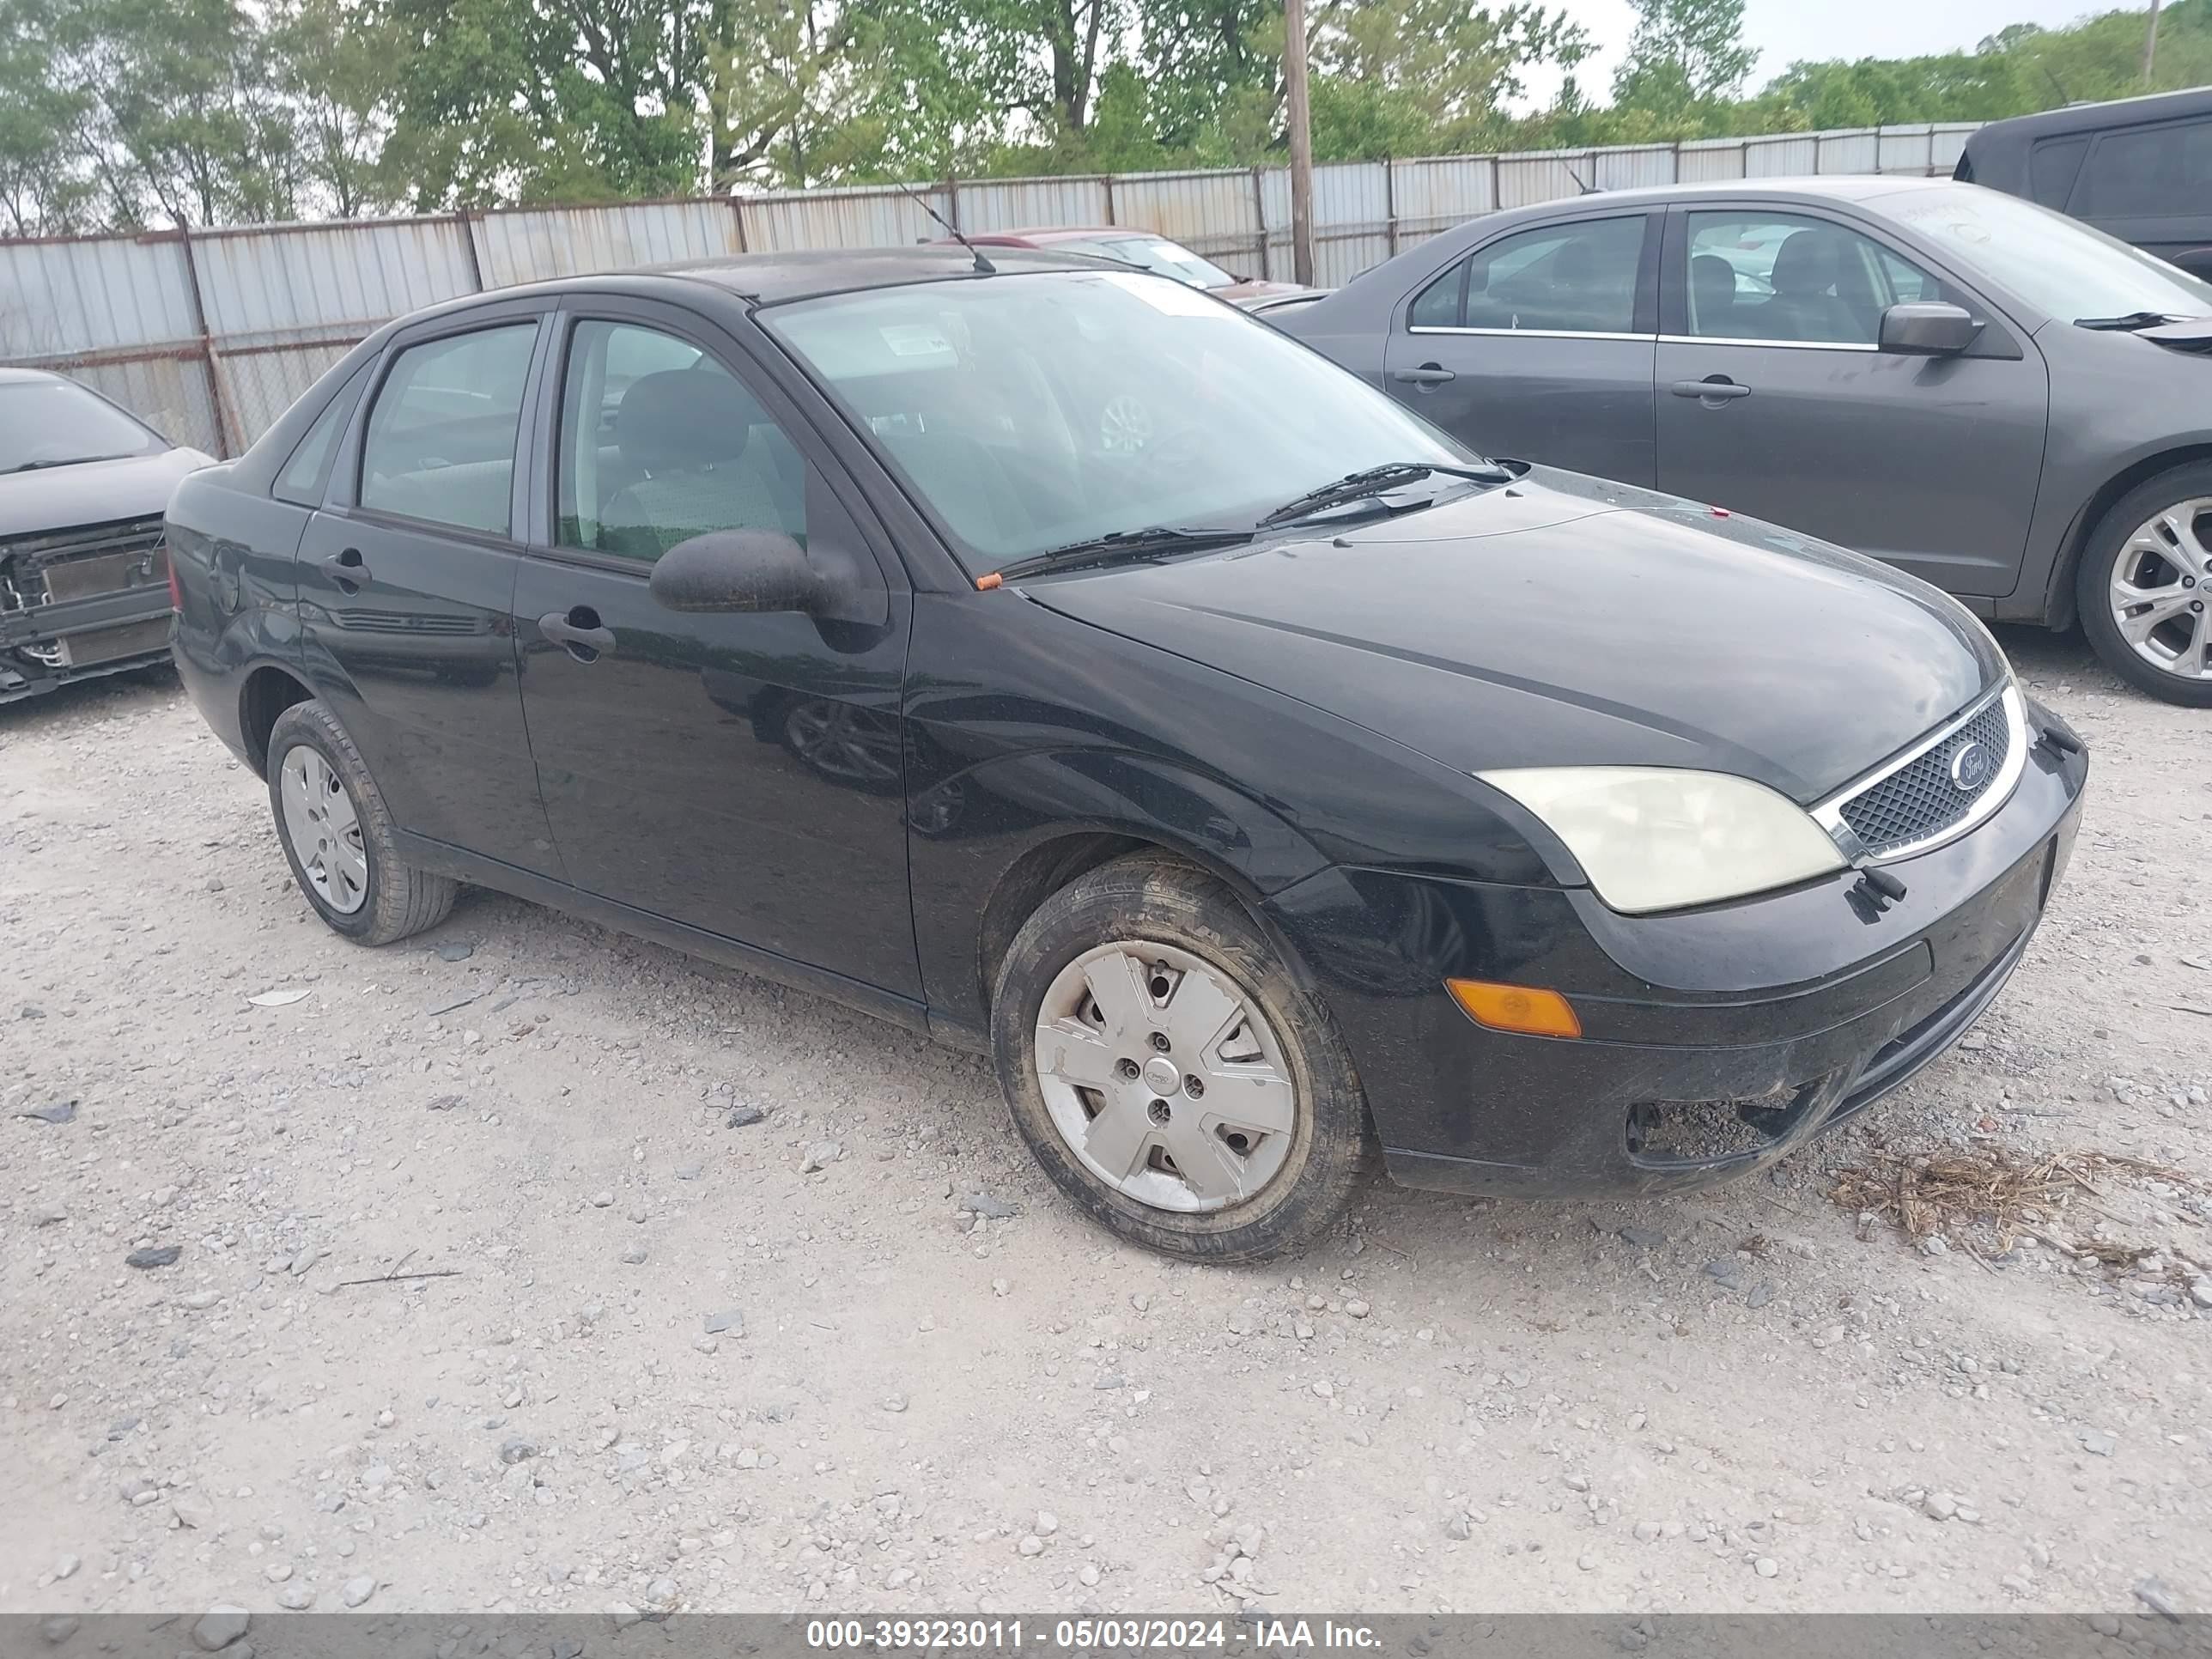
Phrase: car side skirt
x=446 y=860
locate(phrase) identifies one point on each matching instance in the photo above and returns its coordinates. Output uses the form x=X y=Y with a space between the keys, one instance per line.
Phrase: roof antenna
x=1581 y=189
x=983 y=267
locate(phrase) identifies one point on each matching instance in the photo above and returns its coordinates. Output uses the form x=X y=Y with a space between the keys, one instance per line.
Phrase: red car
x=1143 y=249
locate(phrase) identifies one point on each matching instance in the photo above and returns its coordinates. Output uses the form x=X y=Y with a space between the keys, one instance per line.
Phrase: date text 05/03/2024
x=1167 y=1635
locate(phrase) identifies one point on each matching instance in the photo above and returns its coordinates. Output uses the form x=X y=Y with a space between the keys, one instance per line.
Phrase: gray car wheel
x=338 y=835
x=1169 y=1072
x=2143 y=587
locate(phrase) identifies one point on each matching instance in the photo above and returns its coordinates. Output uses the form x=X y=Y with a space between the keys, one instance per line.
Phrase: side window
x=1781 y=277
x=660 y=443
x=2152 y=172
x=2052 y=166
x=1577 y=278
x=304 y=476
x=440 y=443
x=1437 y=306
x=1900 y=280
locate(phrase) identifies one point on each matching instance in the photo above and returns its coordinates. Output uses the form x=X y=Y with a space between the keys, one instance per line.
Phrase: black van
x=2137 y=168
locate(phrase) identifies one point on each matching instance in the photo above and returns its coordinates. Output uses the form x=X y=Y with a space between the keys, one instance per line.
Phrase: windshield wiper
x=73 y=460
x=1370 y=480
x=1118 y=544
x=2128 y=323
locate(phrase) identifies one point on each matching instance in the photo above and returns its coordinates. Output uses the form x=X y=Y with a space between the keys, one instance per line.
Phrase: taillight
x=176 y=593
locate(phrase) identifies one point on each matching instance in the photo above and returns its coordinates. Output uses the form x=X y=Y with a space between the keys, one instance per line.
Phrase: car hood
x=93 y=492
x=1563 y=621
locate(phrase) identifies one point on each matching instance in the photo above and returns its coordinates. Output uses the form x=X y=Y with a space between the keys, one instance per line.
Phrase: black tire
x=1150 y=898
x=2103 y=553
x=400 y=900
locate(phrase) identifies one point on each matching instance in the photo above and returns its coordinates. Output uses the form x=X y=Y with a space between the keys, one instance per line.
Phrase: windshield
x=56 y=422
x=2056 y=264
x=1154 y=253
x=1034 y=410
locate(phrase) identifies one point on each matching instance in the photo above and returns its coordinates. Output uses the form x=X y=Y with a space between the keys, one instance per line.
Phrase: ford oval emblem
x=1972 y=763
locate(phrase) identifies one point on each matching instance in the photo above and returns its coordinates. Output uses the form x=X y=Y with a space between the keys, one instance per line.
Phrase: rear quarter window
x=2052 y=166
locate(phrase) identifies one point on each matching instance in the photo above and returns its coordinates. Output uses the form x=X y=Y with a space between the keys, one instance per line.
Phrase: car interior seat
x=688 y=435
x=1807 y=268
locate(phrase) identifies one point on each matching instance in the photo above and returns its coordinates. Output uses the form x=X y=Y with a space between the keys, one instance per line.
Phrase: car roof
x=9 y=376
x=2095 y=118
x=773 y=278
x=1046 y=236
x=770 y=278
x=1839 y=187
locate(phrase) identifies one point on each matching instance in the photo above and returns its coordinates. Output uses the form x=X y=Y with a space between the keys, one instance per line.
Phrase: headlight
x=1650 y=838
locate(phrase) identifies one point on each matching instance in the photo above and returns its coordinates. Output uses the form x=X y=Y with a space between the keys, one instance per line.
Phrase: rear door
x=407 y=578
x=741 y=774
x=1538 y=344
x=1774 y=400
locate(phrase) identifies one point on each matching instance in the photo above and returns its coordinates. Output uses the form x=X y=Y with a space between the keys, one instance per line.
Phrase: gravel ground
x=526 y=1267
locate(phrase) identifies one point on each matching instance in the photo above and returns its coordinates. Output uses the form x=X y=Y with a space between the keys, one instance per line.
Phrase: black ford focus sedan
x=1266 y=786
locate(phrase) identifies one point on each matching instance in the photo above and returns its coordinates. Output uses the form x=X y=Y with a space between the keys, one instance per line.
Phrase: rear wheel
x=2142 y=586
x=337 y=834
x=1168 y=1073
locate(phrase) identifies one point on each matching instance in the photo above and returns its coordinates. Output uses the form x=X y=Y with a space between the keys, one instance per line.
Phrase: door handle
x=1715 y=389
x=346 y=569
x=1427 y=375
x=578 y=629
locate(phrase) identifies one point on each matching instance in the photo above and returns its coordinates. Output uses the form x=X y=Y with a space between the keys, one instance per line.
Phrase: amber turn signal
x=1515 y=1008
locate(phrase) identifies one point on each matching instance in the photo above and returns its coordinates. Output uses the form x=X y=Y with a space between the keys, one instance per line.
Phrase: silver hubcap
x=1165 y=1078
x=324 y=829
x=2158 y=594
x=1125 y=425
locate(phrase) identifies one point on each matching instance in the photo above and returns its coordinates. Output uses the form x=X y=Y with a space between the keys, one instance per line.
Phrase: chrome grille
x=1919 y=802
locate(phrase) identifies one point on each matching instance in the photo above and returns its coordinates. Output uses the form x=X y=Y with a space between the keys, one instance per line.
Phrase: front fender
x=973 y=831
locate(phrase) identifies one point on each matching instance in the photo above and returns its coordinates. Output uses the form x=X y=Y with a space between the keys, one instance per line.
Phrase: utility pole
x=2150 y=47
x=1299 y=117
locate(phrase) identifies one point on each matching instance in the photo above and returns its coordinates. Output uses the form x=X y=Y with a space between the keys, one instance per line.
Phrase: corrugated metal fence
x=210 y=334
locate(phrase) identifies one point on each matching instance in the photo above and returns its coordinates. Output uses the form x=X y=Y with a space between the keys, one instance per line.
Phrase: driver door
x=739 y=773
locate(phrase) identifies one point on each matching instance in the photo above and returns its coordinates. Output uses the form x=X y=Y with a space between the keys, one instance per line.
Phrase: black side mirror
x=1928 y=328
x=747 y=570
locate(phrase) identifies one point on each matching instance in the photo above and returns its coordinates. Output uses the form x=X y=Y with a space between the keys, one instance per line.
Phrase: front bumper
x=1714 y=1041
x=74 y=606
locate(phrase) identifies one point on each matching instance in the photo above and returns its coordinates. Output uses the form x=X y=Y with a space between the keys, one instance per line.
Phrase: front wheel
x=1170 y=1073
x=2142 y=586
x=337 y=834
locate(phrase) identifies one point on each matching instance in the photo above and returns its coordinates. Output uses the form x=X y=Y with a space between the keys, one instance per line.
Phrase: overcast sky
x=1786 y=30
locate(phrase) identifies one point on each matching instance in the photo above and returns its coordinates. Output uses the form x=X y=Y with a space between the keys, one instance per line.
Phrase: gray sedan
x=1978 y=390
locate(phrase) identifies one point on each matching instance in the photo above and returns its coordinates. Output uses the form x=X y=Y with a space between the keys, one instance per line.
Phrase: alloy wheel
x=2157 y=590
x=1165 y=1078
x=324 y=828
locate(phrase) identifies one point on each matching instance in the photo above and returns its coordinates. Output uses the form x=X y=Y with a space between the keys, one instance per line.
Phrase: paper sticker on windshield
x=915 y=340
x=1165 y=294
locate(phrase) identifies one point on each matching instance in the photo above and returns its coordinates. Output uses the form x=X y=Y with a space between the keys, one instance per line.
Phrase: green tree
x=792 y=93
x=549 y=100
x=1683 y=54
x=181 y=121
x=337 y=63
x=1208 y=65
x=45 y=184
